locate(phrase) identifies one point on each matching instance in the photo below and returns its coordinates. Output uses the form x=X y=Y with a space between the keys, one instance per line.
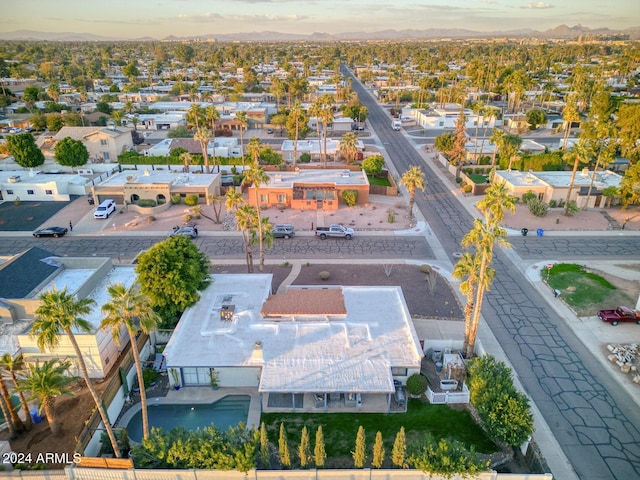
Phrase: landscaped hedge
x=504 y=411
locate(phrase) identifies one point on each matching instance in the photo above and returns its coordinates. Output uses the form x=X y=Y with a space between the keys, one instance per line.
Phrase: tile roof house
x=103 y=143
x=309 y=348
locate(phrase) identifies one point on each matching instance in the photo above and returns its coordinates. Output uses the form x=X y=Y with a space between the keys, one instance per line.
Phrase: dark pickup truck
x=620 y=314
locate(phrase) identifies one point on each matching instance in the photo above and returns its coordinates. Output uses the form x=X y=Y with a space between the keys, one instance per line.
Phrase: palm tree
x=412 y=179
x=211 y=115
x=60 y=313
x=569 y=115
x=467 y=269
x=246 y=216
x=45 y=382
x=578 y=152
x=12 y=366
x=349 y=146
x=195 y=116
x=7 y=415
x=202 y=135
x=297 y=112
x=315 y=110
x=232 y=200
x=13 y=418
x=186 y=159
x=484 y=235
x=241 y=117
x=326 y=115
x=131 y=308
x=256 y=175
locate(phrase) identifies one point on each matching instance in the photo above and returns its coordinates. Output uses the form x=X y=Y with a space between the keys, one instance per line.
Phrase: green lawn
x=340 y=429
x=584 y=291
x=384 y=181
x=476 y=178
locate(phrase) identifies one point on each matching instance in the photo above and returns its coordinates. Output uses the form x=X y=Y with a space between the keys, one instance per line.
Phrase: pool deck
x=199 y=395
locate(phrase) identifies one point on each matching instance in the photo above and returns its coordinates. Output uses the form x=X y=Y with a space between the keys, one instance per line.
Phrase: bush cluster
x=350 y=197
x=504 y=411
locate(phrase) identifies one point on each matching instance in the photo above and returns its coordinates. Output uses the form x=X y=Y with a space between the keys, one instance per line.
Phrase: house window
x=9 y=192
x=103 y=142
x=106 y=156
x=398 y=372
x=49 y=192
x=30 y=192
x=282 y=198
x=264 y=198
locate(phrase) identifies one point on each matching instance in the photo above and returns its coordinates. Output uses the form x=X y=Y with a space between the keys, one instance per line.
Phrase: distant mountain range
x=559 y=32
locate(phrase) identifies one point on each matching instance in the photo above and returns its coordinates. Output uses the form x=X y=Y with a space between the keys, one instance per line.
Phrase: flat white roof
x=310 y=353
x=149 y=177
x=337 y=177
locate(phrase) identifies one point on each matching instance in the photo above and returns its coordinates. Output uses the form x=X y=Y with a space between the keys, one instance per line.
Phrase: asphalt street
x=594 y=421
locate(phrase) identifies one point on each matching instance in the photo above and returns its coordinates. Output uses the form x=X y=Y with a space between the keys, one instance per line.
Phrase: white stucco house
x=25 y=276
x=33 y=185
x=308 y=348
x=554 y=186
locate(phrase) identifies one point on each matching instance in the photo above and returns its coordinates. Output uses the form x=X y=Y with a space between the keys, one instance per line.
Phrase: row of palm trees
x=61 y=313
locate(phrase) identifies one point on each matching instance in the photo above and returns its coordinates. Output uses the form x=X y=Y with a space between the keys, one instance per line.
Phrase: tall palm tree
x=485 y=234
x=45 y=382
x=246 y=220
x=211 y=115
x=202 y=135
x=413 y=179
x=569 y=115
x=297 y=112
x=12 y=366
x=60 y=313
x=132 y=308
x=579 y=152
x=241 y=117
x=315 y=110
x=326 y=115
x=467 y=269
x=256 y=175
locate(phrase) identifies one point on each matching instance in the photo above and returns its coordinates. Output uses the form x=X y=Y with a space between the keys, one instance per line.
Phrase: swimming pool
x=226 y=412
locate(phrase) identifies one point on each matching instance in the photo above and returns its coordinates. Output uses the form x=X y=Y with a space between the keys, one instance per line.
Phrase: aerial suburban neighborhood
x=381 y=257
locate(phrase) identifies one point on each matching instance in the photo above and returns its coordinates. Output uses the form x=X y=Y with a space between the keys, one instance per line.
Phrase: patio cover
x=299 y=375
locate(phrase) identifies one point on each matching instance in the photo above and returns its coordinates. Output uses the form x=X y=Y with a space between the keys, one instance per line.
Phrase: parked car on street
x=338 y=231
x=50 y=232
x=191 y=232
x=283 y=231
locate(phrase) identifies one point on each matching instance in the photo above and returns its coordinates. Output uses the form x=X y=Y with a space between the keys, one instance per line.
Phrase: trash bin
x=540 y=232
x=34 y=415
x=438 y=366
x=524 y=232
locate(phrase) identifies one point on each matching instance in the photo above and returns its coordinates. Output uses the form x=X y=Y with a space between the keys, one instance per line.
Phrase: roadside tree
x=413 y=179
x=171 y=274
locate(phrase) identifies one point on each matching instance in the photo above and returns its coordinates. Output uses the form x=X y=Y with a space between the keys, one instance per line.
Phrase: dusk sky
x=161 y=18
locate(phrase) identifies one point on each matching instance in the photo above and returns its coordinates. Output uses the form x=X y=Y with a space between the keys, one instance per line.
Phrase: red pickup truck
x=620 y=314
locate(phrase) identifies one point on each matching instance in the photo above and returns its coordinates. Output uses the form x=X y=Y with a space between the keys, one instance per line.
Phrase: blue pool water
x=226 y=412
